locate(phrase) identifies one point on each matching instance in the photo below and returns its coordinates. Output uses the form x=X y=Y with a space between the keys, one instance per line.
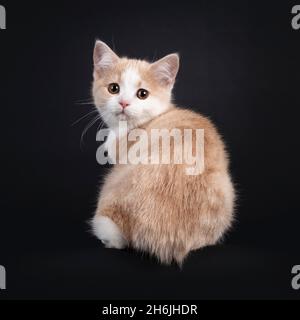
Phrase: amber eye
x=142 y=94
x=113 y=88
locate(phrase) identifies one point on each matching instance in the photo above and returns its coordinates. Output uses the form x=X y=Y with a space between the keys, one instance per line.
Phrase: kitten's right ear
x=104 y=57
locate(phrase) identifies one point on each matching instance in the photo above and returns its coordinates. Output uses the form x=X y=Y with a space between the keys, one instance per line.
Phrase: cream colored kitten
x=157 y=208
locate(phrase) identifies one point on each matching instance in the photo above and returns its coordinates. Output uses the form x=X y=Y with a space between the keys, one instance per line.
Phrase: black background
x=239 y=66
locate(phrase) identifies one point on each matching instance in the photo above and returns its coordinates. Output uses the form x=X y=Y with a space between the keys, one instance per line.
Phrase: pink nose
x=124 y=104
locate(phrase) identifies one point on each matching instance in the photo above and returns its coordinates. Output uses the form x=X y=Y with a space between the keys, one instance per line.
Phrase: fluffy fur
x=158 y=208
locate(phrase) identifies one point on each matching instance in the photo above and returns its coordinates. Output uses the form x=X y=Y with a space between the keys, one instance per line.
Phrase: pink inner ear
x=165 y=69
x=104 y=57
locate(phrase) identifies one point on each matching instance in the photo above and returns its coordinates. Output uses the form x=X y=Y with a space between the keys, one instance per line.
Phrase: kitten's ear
x=165 y=69
x=104 y=57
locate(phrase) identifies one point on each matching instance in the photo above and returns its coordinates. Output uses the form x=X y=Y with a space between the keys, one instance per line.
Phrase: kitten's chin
x=123 y=117
x=114 y=120
x=133 y=120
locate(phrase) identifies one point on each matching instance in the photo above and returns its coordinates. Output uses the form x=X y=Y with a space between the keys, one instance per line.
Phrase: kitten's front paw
x=108 y=232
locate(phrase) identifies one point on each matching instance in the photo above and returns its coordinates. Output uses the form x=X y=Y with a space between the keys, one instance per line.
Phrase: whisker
x=101 y=125
x=85 y=103
x=81 y=118
x=88 y=126
x=84 y=100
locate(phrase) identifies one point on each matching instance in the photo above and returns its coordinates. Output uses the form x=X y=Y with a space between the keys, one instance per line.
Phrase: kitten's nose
x=124 y=104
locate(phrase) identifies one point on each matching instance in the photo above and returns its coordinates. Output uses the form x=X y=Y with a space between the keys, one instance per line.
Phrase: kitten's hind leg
x=108 y=232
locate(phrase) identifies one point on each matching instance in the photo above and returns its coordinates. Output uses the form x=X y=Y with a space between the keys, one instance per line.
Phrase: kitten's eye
x=142 y=94
x=113 y=88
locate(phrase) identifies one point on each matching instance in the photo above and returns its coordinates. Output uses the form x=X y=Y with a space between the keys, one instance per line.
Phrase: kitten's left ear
x=165 y=69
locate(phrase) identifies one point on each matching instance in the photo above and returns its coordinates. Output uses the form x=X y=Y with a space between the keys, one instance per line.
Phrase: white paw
x=108 y=232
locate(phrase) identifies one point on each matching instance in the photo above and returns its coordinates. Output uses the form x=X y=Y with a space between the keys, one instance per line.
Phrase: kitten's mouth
x=122 y=115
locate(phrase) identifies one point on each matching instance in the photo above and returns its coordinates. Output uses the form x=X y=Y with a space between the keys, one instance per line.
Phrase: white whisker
x=88 y=126
x=83 y=117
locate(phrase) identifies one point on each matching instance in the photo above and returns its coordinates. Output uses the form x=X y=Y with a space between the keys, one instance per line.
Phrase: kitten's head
x=132 y=90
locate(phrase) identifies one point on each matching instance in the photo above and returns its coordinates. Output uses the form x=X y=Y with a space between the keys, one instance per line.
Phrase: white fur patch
x=129 y=81
x=108 y=232
x=139 y=111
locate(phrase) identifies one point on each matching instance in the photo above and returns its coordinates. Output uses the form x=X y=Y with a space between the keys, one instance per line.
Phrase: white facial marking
x=138 y=110
x=129 y=82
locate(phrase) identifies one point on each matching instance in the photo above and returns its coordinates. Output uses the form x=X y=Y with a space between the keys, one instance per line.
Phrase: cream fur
x=158 y=208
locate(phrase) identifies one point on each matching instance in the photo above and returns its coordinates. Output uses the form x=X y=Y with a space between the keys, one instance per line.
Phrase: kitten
x=157 y=208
